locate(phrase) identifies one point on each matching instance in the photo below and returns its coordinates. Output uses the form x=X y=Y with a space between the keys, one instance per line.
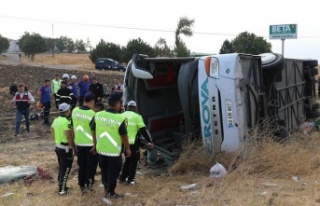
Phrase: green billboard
x=283 y=31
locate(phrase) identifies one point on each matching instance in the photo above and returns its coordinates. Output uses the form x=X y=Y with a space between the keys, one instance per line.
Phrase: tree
x=184 y=27
x=4 y=44
x=69 y=45
x=249 y=43
x=137 y=46
x=32 y=44
x=226 y=47
x=80 y=46
x=107 y=50
x=161 y=49
x=61 y=43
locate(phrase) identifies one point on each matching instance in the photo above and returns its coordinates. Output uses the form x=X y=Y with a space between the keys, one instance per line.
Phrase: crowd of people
x=84 y=128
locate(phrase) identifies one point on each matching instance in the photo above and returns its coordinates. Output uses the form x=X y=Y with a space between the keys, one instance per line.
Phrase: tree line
x=32 y=44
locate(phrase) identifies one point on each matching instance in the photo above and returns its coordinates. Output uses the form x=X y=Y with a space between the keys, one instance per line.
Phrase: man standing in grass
x=65 y=146
x=22 y=99
x=44 y=98
x=135 y=128
x=87 y=161
x=109 y=133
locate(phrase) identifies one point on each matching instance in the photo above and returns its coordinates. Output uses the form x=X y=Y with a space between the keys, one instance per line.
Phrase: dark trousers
x=81 y=98
x=73 y=103
x=46 y=111
x=110 y=169
x=130 y=167
x=19 y=114
x=65 y=163
x=55 y=101
x=87 y=163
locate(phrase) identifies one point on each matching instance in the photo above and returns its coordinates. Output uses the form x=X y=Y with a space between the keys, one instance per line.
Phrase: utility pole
x=282 y=47
x=53 y=41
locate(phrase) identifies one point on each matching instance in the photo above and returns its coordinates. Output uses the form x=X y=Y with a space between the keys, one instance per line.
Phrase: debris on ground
x=7 y=194
x=269 y=184
x=218 y=171
x=28 y=173
x=307 y=127
x=263 y=193
x=189 y=187
x=296 y=178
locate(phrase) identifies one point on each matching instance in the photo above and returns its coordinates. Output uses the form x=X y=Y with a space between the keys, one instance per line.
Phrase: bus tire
x=271 y=62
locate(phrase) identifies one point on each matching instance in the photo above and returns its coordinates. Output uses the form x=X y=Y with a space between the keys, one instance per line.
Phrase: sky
x=119 y=21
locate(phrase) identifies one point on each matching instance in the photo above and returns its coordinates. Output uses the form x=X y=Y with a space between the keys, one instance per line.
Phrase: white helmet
x=73 y=77
x=65 y=76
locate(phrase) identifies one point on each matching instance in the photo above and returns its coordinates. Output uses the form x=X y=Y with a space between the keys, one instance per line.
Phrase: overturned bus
x=219 y=97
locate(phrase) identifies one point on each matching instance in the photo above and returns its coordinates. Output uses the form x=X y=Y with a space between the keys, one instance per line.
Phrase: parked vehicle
x=108 y=64
x=219 y=98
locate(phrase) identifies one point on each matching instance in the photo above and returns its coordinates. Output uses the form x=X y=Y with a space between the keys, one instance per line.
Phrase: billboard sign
x=283 y=31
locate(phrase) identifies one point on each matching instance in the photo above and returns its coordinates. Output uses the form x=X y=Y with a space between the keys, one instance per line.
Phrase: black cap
x=89 y=97
x=115 y=97
x=63 y=82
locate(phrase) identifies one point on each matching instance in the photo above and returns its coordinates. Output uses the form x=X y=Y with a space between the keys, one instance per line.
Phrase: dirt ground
x=266 y=174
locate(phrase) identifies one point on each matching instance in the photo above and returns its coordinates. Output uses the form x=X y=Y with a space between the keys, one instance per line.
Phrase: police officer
x=87 y=161
x=109 y=133
x=135 y=128
x=65 y=147
x=22 y=99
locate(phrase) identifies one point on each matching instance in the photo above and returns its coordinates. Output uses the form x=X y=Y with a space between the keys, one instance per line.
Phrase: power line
x=132 y=28
x=115 y=27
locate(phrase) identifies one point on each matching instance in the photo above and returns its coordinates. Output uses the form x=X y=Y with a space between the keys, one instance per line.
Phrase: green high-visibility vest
x=60 y=126
x=135 y=122
x=81 y=119
x=56 y=84
x=107 y=133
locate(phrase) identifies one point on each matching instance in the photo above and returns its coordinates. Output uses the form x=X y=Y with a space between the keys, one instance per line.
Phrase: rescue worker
x=87 y=161
x=55 y=86
x=22 y=100
x=65 y=146
x=64 y=94
x=135 y=128
x=109 y=133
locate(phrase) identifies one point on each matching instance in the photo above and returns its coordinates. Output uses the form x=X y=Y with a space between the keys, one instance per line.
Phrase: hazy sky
x=119 y=21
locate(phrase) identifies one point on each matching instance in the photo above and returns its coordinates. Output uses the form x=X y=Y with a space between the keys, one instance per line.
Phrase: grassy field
x=62 y=59
x=259 y=174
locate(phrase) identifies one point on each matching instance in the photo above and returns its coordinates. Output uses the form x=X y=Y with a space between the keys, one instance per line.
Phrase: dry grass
x=262 y=176
x=61 y=59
